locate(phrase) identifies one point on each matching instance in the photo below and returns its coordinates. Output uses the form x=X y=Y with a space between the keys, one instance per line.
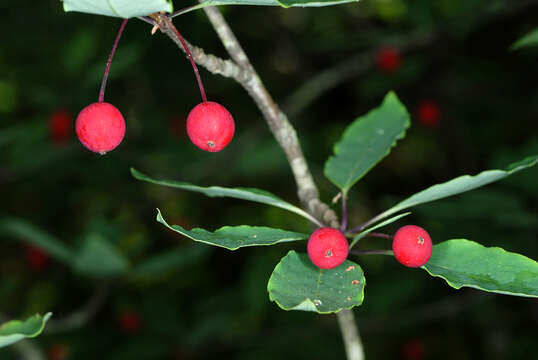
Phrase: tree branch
x=81 y=316
x=351 y=67
x=241 y=70
x=350 y=334
x=278 y=122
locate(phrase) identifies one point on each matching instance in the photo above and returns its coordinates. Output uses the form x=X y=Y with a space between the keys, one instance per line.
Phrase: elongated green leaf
x=364 y=233
x=235 y=237
x=457 y=186
x=118 y=8
x=171 y=260
x=366 y=141
x=530 y=39
x=296 y=284
x=16 y=330
x=283 y=3
x=30 y=234
x=98 y=258
x=256 y=195
x=466 y=263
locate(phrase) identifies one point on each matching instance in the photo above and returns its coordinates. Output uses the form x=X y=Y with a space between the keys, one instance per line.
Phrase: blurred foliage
x=202 y=304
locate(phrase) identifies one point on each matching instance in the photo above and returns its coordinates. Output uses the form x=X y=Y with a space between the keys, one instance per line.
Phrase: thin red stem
x=380 y=235
x=107 y=68
x=191 y=59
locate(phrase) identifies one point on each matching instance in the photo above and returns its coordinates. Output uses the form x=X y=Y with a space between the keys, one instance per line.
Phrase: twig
x=241 y=70
x=351 y=67
x=343 y=225
x=350 y=334
x=28 y=350
x=278 y=122
x=81 y=316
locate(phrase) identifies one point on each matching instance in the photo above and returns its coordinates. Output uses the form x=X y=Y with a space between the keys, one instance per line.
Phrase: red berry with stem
x=388 y=59
x=412 y=246
x=210 y=126
x=100 y=126
x=428 y=113
x=327 y=248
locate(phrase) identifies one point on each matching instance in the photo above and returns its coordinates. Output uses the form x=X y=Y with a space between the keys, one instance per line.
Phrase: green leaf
x=365 y=233
x=30 y=234
x=457 y=186
x=97 y=257
x=466 y=263
x=530 y=39
x=235 y=237
x=171 y=260
x=283 y=3
x=256 y=195
x=118 y=8
x=366 y=141
x=16 y=330
x=296 y=284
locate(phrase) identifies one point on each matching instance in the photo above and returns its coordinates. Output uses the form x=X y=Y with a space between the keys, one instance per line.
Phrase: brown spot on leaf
x=355 y=282
x=351 y=267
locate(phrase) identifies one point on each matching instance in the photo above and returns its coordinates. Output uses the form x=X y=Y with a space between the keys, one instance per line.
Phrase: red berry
x=413 y=350
x=58 y=352
x=60 y=125
x=428 y=113
x=210 y=126
x=36 y=258
x=100 y=127
x=327 y=248
x=130 y=322
x=412 y=246
x=388 y=59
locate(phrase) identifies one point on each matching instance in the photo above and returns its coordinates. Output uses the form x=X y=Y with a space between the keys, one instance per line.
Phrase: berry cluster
x=328 y=248
x=100 y=126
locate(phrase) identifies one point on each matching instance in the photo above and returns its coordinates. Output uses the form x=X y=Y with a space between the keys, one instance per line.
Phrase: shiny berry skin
x=60 y=126
x=327 y=248
x=428 y=113
x=412 y=246
x=210 y=126
x=388 y=59
x=100 y=127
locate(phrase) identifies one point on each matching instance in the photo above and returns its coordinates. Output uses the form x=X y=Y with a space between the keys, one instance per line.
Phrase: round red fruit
x=388 y=59
x=130 y=322
x=60 y=125
x=428 y=113
x=412 y=246
x=327 y=248
x=210 y=126
x=100 y=127
x=36 y=258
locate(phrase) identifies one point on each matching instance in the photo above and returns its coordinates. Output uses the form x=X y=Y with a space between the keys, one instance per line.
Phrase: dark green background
x=215 y=305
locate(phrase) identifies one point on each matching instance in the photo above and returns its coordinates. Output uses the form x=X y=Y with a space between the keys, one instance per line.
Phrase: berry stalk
x=191 y=59
x=107 y=68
